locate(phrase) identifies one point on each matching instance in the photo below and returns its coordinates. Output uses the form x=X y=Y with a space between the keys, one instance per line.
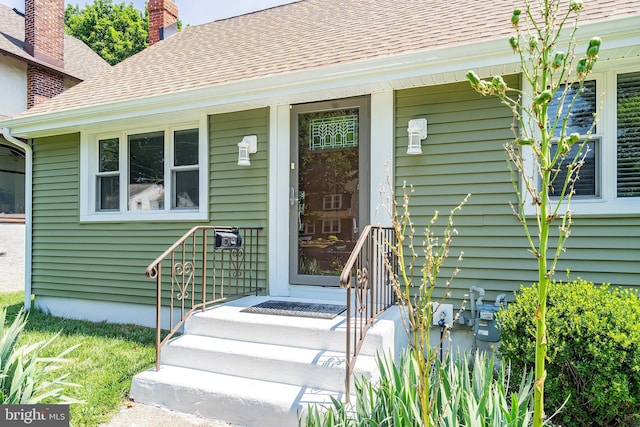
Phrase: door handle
x=292 y=199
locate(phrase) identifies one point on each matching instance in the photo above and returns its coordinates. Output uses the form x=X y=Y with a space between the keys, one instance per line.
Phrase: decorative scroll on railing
x=367 y=278
x=206 y=266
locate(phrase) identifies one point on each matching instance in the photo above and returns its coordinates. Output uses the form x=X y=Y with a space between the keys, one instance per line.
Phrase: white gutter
x=6 y=133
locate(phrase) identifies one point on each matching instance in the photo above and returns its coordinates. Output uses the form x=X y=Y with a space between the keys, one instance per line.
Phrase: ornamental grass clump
x=593 y=368
x=26 y=376
x=470 y=393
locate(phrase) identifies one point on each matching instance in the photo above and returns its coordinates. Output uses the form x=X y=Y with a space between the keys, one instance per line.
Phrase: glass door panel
x=327 y=199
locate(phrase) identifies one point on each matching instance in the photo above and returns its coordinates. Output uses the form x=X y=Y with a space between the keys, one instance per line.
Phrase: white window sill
x=598 y=207
x=144 y=216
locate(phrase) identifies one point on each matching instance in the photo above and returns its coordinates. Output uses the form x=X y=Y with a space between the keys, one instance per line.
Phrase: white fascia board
x=262 y=91
x=614 y=33
x=345 y=75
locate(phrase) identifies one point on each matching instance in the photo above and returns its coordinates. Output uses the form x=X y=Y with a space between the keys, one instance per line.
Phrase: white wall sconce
x=417 y=131
x=248 y=145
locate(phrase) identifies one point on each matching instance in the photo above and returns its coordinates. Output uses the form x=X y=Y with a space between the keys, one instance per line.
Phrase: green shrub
x=594 y=351
x=463 y=394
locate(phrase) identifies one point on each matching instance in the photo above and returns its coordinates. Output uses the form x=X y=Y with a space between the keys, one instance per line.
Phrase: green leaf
x=576 y=5
x=513 y=42
x=515 y=17
x=558 y=60
x=544 y=97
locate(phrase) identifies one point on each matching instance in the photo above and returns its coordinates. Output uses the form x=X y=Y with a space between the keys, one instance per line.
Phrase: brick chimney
x=163 y=17
x=44 y=40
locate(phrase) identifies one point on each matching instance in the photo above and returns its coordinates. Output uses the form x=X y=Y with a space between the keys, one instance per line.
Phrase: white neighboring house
x=37 y=62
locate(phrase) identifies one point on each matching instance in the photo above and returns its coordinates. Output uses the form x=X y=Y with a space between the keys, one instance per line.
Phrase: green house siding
x=464 y=153
x=107 y=261
x=238 y=195
x=603 y=249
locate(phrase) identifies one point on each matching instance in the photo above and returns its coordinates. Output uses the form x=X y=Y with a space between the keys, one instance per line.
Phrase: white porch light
x=248 y=145
x=417 y=131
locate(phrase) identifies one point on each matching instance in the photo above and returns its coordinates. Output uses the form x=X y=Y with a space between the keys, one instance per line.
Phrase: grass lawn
x=108 y=357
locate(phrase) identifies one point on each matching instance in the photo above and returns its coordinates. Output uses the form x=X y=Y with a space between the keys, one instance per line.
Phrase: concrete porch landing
x=259 y=370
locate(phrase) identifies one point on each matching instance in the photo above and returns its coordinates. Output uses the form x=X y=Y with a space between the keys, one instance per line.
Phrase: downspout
x=28 y=194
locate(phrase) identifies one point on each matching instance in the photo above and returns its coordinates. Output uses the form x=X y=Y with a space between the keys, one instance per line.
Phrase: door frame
x=363 y=103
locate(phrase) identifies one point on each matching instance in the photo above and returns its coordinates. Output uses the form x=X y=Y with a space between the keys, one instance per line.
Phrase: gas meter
x=486 y=325
x=486 y=328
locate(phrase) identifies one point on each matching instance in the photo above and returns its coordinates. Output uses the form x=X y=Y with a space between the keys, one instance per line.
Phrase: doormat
x=300 y=309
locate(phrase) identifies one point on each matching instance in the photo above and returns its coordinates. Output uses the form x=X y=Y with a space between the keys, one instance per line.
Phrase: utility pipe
x=499 y=299
x=474 y=303
x=28 y=194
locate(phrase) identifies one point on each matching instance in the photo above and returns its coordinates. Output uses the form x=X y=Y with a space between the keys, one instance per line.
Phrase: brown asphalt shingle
x=305 y=35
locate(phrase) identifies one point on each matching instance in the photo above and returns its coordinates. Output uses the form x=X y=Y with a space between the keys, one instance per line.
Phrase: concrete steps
x=236 y=400
x=258 y=370
x=304 y=367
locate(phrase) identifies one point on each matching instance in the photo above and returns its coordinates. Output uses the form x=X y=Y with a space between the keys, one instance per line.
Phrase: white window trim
x=334 y=202
x=331 y=223
x=97 y=173
x=89 y=169
x=310 y=228
x=608 y=203
x=170 y=157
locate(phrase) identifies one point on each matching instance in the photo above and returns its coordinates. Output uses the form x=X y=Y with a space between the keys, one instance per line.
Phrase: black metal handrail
x=203 y=270
x=366 y=277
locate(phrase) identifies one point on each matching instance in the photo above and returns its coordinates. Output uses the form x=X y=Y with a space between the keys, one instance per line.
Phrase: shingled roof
x=304 y=35
x=80 y=62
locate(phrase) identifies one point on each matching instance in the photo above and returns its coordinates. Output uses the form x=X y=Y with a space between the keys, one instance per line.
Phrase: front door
x=329 y=201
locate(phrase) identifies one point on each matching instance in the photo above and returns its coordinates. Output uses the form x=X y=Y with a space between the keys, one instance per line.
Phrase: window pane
x=108 y=154
x=331 y=226
x=146 y=171
x=185 y=147
x=12 y=189
x=629 y=135
x=586 y=184
x=109 y=193
x=332 y=201
x=186 y=189
x=581 y=116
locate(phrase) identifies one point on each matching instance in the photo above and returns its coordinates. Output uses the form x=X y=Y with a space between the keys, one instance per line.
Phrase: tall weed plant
x=423 y=390
x=419 y=268
x=545 y=43
x=24 y=374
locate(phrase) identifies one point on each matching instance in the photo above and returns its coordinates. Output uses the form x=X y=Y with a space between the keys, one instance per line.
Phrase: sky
x=192 y=12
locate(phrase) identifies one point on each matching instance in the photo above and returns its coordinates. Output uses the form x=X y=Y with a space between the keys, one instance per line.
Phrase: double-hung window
x=580 y=121
x=108 y=175
x=332 y=202
x=154 y=174
x=185 y=169
x=628 y=135
x=609 y=180
x=331 y=226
